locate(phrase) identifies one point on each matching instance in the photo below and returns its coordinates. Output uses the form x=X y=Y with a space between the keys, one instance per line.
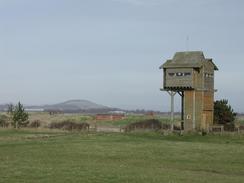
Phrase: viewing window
x=187 y=74
x=179 y=74
x=209 y=75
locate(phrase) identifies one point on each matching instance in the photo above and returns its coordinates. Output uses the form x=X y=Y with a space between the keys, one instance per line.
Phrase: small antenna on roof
x=187 y=43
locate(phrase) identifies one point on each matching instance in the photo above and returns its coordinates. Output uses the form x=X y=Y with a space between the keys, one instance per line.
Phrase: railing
x=216 y=128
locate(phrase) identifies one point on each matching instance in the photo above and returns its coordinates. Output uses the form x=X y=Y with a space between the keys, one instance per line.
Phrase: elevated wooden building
x=192 y=76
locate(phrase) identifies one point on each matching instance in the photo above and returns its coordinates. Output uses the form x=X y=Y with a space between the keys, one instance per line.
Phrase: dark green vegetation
x=46 y=156
x=69 y=125
x=223 y=112
x=19 y=118
x=151 y=124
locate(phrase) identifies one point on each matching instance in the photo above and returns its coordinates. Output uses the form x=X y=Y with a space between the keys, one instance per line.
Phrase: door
x=204 y=121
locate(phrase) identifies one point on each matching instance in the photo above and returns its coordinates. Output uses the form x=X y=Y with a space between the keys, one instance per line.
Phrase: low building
x=109 y=117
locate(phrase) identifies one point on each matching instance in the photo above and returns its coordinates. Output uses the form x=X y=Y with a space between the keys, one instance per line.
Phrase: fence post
x=222 y=129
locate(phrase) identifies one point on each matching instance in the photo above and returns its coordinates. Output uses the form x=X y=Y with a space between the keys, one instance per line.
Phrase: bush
x=241 y=127
x=223 y=112
x=69 y=125
x=18 y=115
x=224 y=115
x=4 y=121
x=166 y=126
x=178 y=128
x=145 y=124
x=229 y=127
x=35 y=124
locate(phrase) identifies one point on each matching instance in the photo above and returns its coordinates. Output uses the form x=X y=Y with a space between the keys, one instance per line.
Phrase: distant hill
x=75 y=105
x=67 y=106
x=79 y=106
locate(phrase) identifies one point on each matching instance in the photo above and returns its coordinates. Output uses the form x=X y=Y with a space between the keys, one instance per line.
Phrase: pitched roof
x=192 y=59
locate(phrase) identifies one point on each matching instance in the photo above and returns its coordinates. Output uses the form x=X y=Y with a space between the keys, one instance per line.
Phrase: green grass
x=26 y=156
x=240 y=119
x=129 y=119
x=46 y=119
x=132 y=119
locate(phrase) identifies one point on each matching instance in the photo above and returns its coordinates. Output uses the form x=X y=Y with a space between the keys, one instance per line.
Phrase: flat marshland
x=57 y=156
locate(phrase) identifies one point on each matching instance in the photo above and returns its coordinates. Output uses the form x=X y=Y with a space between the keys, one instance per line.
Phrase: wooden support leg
x=181 y=93
x=172 y=94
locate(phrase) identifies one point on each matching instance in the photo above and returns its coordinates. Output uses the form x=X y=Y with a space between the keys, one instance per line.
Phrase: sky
x=109 y=51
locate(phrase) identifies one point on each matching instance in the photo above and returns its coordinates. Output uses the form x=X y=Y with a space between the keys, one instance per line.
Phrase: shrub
x=69 y=125
x=4 y=121
x=35 y=124
x=241 y=127
x=178 y=128
x=224 y=115
x=229 y=127
x=18 y=115
x=223 y=112
x=166 y=126
x=145 y=124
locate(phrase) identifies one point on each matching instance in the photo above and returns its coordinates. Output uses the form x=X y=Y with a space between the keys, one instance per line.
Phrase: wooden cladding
x=208 y=101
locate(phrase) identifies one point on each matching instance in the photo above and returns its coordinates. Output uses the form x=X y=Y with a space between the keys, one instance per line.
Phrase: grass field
x=46 y=119
x=240 y=119
x=134 y=118
x=47 y=156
